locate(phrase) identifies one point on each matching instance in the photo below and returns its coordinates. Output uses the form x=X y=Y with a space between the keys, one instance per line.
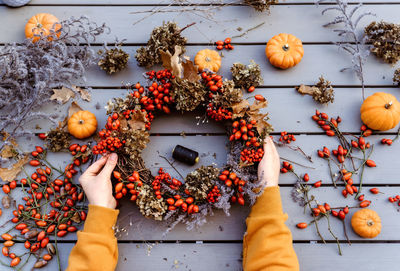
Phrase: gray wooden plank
x=284 y=18
x=167 y=2
x=204 y=256
x=288 y=111
x=212 y=149
x=134 y=227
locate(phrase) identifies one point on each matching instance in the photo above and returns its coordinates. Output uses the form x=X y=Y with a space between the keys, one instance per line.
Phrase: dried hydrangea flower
x=201 y=180
x=136 y=141
x=246 y=76
x=164 y=38
x=149 y=205
x=58 y=139
x=396 y=77
x=385 y=39
x=187 y=95
x=113 y=60
x=229 y=96
x=322 y=92
x=261 y=5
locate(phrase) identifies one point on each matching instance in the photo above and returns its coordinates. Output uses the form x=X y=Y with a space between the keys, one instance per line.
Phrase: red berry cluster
x=224 y=44
x=387 y=141
x=341 y=214
x=322 y=119
x=161 y=177
x=122 y=187
x=186 y=205
x=149 y=116
x=213 y=195
x=213 y=82
x=81 y=151
x=365 y=132
x=219 y=114
x=287 y=138
x=231 y=180
x=252 y=155
x=108 y=143
x=286 y=166
x=395 y=199
x=349 y=189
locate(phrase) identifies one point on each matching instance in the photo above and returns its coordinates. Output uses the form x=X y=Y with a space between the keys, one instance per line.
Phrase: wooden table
x=218 y=244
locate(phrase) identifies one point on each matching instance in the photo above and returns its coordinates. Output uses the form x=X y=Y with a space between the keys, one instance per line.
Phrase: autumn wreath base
x=180 y=86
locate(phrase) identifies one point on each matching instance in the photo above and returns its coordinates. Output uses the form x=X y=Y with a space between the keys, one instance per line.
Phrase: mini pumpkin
x=366 y=223
x=380 y=111
x=82 y=124
x=284 y=51
x=208 y=59
x=41 y=24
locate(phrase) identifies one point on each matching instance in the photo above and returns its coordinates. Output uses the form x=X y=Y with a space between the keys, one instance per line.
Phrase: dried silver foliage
x=353 y=42
x=29 y=71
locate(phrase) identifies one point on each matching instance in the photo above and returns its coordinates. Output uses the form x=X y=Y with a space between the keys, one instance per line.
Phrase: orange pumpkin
x=41 y=24
x=366 y=223
x=208 y=59
x=380 y=111
x=284 y=51
x=82 y=124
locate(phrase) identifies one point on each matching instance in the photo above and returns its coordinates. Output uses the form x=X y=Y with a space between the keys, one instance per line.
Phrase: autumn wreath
x=180 y=86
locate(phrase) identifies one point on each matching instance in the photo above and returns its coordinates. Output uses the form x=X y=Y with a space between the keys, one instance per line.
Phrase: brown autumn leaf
x=9 y=174
x=85 y=94
x=262 y=125
x=171 y=62
x=76 y=218
x=303 y=89
x=73 y=108
x=62 y=95
x=9 y=150
x=190 y=71
x=239 y=109
x=137 y=122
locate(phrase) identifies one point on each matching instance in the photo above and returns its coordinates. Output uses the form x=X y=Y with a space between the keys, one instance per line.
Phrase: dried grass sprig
x=352 y=43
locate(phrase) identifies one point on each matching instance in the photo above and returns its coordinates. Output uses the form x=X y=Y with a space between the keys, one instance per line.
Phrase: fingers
x=95 y=168
x=110 y=165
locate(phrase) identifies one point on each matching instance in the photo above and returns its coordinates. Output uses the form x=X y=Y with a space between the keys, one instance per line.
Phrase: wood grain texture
x=304 y=21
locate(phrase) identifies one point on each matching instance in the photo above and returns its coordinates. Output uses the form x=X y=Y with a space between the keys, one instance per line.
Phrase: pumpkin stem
x=388 y=105
x=370 y=222
x=208 y=59
x=285 y=47
x=81 y=121
x=39 y=25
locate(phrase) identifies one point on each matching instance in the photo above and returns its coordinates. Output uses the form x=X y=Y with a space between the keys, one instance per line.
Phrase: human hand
x=96 y=181
x=268 y=169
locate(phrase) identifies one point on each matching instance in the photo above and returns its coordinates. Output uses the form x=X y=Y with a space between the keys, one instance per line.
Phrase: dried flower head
x=136 y=141
x=246 y=76
x=385 y=39
x=201 y=180
x=396 y=77
x=164 y=38
x=261 y=5
x=322 y=92
x=149 y=205
x=58 y=139
x=188 y=95
x=229 y=96
x=113 y=60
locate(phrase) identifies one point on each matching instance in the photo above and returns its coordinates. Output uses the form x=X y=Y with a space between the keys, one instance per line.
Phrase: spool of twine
x=185 y=155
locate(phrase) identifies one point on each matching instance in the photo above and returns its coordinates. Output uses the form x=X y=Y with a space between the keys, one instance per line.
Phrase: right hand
x=269 y=167
x=96 y=182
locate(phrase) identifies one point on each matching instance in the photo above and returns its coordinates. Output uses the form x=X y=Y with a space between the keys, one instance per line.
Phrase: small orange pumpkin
x=41 y=24
x=366 y=223
x=208 y=59
x=380 y=111
x=82 y=124
x=284 y=51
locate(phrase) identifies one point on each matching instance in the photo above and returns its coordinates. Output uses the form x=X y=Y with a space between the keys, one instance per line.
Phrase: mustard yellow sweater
x=267 y=244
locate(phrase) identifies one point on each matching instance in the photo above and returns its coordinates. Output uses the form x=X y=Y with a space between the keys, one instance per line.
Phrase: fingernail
x=113 y=157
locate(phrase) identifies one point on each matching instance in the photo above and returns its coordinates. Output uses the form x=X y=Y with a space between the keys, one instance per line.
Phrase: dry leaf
x=76 y=218
x=137 y=122
x=303 y=89
x=257 y=105
x=190 y=71
x=262 y=125
x=73 y=108
x=239 y=109
x=8 y=175
x=62 y=95
x=9 y=150
x=171 y=62
x=85 y=94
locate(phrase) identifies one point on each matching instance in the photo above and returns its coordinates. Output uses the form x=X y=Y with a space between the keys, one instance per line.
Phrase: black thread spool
x=185 y=155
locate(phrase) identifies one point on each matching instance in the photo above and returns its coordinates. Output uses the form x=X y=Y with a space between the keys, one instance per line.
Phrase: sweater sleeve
x=96 y=248
x=267 y=245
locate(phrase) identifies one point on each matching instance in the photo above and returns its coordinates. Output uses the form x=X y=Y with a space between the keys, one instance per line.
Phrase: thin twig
x=290 y=161
x=333 y=235
x=345 y=232
x=183 y=178
x=248 y=30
